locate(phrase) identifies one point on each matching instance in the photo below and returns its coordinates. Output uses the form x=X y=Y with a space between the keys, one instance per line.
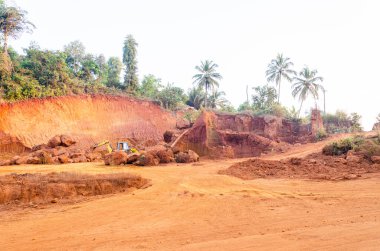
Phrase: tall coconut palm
x=12 y=23
x=280 y=68
x=207 y=78
x=306 y=83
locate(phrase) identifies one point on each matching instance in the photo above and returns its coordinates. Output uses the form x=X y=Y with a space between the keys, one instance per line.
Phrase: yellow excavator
x=120 y=146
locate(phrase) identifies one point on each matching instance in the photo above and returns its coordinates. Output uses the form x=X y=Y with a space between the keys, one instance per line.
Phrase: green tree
x=49 y=68
x=129 y=59
x=207 y=78
x=102 y=76
x=228 y=108
x=13 y=22
x=150 y=86
x=306 y=83
x=264 y=98
x=355 y=120
x=218 y=100
x=114 y=70
x=23 y=87
x=6 y=66
x=292 y=114
x=196 y=97
x=90 y=70
x=264 y=102
x=76 y=53
x=171 y=97
x=244 y=107
x=280 y=68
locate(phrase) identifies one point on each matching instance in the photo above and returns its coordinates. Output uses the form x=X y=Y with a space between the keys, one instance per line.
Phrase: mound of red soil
x=63 y=187
x=89 y=119
x=315 y=166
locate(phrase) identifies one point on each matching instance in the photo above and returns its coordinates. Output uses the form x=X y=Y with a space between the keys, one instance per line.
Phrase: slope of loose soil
x=191 y=207
x=314 y=166
x=33 y=189
x=88 y=118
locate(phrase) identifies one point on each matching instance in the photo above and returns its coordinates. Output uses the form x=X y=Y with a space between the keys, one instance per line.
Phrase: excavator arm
x=106 y=143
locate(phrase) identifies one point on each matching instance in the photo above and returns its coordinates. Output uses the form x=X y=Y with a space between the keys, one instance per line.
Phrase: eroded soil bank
x=313 y=166
x=65 y=187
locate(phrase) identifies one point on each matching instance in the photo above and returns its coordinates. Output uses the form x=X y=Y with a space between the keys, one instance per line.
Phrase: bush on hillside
x=343 y=146
x=321 y=135
x=369 y=148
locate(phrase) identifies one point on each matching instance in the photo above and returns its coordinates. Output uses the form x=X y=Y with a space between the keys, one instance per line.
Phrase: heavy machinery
x=120 y=146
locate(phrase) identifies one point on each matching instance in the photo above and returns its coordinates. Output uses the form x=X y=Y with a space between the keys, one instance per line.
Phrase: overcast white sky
x=339 y=38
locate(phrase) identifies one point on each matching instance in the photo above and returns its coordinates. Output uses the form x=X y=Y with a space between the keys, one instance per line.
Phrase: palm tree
x=278 y=69
x=12 y=23
x=306 y=84
x=207 y=78
x=218 y=99
x=196 y=97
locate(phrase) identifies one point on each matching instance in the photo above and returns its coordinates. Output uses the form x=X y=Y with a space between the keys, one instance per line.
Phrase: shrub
x=321 y=135
x=343 y=146
x=369 y=148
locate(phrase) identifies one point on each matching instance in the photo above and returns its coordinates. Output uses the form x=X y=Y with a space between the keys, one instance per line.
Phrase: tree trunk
x=324 y=102
x=279 y=91
x=246 y=90
x=206 y=96
x=6 y=42
x=299 y=111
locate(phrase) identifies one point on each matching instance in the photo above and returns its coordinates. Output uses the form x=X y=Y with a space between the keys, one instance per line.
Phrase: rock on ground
x=132 y=158
x=67 y=140
x=375 y=159
x=186 y=157
x=55 y=141
x=194 y=157
x=148 y=159
x=165 y=156
x=116 y=158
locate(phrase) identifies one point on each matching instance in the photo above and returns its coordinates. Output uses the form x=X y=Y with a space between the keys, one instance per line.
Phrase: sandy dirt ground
x=191 y=207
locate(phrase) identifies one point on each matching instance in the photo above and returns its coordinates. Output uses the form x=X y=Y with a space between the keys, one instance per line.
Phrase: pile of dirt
x=88 y=119
x=314 y=166
x=34 y=189
x=61 y=149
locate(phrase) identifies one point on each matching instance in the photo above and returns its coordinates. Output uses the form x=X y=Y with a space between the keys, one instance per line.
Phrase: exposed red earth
x=88 y=119
x=288 y=197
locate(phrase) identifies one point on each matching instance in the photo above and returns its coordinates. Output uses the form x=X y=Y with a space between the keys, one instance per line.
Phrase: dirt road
x=191 y=207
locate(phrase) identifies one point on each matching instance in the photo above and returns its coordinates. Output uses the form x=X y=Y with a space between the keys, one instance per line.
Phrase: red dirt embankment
x=314 y=166
x=63 y=187
x=88 y=119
